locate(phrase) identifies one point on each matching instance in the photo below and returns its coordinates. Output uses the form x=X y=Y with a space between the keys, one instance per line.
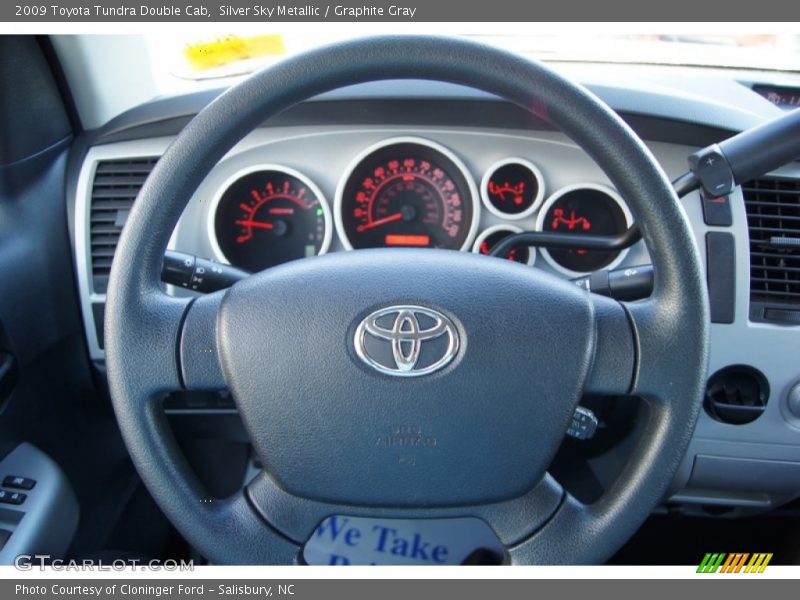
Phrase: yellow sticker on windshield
x=231 y=49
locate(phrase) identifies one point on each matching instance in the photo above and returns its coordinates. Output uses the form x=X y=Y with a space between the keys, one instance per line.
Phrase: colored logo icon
x=741 y=562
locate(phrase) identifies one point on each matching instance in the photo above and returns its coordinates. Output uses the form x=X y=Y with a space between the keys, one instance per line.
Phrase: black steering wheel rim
x=667 y=332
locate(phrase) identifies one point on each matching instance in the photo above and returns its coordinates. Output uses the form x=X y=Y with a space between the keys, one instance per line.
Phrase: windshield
x=197 y=57
x=111 y=73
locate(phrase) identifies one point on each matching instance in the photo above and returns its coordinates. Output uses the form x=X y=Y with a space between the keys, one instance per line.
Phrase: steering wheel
x=529 y=345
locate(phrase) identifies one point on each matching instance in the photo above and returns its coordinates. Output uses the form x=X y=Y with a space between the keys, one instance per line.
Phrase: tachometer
x=407 y=192
x=268 y=215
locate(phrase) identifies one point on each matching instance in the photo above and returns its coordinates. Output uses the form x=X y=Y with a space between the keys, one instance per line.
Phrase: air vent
x=116 y=185
x=736 y=395
x=773 y=218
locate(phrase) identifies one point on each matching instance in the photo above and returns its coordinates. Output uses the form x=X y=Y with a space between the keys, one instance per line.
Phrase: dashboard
x=287 y=194
x=407 y=191
x=448 y=168
x=385 y=188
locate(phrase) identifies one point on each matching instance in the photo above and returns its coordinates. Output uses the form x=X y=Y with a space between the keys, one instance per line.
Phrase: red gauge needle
x=383 y=221
x=257 y=224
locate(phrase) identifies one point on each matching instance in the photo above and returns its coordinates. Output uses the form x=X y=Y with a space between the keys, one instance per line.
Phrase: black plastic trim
x=721 y=274
x=148 y=121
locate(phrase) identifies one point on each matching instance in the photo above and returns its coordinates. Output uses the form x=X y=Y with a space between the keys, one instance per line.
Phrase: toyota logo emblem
x=406 y=341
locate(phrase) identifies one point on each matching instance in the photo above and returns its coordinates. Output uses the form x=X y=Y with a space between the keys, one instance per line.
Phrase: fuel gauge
x=491 y=236
x=512 y=188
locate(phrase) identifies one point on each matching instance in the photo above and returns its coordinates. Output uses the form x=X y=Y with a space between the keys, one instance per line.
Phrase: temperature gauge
x=269 y=215
x=585 y=209
x=512 y=188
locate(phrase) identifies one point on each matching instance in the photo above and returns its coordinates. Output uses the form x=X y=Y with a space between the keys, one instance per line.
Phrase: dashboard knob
x=793 y=399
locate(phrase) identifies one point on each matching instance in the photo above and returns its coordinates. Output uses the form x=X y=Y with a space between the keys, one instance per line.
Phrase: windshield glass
x=197 y=57
x=109 y=74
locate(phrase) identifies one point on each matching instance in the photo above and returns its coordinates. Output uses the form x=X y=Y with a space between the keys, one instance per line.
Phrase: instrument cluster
x=406 y=192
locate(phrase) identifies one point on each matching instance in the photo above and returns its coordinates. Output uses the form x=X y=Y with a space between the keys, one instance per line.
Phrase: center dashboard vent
x=116 y=185
x=773 y=219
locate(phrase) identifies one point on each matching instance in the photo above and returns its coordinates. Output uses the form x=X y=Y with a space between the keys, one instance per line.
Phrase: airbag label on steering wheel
x=343 y=540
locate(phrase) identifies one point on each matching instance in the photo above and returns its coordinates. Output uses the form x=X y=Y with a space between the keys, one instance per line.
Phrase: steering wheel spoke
x=185 y=501
x=259 y=542
x=614 y=361
x=150 y=339
x=664 y=360
x=512 y=521
x=566 y=538
x=198 y=355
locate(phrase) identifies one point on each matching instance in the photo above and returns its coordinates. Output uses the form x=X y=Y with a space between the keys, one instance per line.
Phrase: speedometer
x=407 y=192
